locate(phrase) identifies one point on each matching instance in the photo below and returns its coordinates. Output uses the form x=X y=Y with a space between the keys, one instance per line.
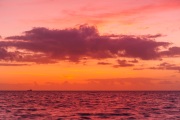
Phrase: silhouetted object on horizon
x=30 y=90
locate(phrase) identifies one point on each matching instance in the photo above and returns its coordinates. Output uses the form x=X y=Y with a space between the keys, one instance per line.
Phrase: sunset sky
x=90 y=44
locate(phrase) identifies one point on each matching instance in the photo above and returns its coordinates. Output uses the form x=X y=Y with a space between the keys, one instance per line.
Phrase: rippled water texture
x=89 y=105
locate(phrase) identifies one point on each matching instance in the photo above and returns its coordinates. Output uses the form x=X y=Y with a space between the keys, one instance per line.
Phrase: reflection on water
x=89 y=105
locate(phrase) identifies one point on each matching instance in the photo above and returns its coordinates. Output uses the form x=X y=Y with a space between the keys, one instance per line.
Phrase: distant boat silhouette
x=29 y=90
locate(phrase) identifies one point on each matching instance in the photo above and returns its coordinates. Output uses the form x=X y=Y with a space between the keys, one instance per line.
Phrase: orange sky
x=90 y=45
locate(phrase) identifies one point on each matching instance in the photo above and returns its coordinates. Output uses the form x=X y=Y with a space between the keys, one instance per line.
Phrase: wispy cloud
x=126 y=16
x=103 y=63
x=11 y=64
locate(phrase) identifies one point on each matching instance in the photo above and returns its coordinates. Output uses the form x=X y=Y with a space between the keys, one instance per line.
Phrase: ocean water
x=58 y=105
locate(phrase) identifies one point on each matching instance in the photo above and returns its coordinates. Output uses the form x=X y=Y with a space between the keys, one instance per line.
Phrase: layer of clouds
x=162 y=66
x=91 y=84
x=43 y=45
x=99 y=84
x=166 y=66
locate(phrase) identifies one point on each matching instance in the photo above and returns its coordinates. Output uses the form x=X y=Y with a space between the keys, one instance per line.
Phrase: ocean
x=90 y=105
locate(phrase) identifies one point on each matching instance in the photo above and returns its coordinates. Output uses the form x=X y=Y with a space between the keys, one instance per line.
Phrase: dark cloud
x=7 y=56
x=74 y=44
x=172 y=51
x=3 y=53
x=166 y=66
x=123 y=63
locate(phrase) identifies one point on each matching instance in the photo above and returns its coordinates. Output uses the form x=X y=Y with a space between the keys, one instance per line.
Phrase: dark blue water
x=41 y=105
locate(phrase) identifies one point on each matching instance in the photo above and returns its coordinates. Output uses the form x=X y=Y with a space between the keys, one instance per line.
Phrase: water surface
x=58 y=105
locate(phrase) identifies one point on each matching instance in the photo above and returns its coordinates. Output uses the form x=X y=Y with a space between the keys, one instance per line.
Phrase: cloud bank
x=43 y=45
